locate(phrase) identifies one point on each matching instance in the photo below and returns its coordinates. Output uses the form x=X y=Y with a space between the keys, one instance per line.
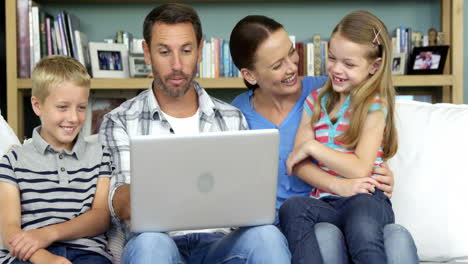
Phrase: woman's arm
x=349 y=165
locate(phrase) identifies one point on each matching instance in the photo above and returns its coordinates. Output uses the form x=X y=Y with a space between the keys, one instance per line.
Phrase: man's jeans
x=260 y=244
x=361 y=218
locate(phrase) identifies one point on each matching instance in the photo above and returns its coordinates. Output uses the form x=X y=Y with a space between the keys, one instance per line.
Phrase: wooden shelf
x=451 y=81
x=237 y=83
x=143 y=83
x=422 y=80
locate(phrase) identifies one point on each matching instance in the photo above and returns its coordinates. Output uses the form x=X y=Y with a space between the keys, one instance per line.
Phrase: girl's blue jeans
x=361 y=218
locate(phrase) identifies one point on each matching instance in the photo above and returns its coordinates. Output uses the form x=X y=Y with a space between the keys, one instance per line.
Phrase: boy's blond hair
x=54 y=70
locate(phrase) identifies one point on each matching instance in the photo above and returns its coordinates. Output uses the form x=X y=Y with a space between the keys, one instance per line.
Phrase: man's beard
x=174 y=93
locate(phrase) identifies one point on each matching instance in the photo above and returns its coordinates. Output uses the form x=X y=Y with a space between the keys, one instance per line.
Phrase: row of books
x=217 y=62
x=40 y=35
x=406 y=39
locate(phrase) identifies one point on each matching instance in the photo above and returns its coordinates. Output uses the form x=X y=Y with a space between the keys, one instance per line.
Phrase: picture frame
x=398 y=63
x=99 y=104
x=109 y=60
x=427 y=60
x=138 y=66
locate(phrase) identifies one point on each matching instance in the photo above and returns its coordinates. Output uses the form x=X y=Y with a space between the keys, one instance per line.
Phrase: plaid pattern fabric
x=142 y=115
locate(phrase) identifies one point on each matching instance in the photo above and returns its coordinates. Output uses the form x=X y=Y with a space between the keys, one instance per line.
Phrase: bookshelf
x=451 y=81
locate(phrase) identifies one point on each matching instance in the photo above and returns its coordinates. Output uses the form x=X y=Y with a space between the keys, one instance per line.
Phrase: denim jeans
x=361 y=218
x=76 y=256
x=399 y=244
x=260 y=244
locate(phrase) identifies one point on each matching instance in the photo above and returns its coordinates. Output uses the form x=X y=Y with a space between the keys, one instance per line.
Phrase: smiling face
x=173 y=54
x=62 y=114
x=275 y=67
x=348 y=65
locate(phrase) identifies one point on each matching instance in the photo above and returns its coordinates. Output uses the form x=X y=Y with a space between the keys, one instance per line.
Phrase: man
x=175 y=103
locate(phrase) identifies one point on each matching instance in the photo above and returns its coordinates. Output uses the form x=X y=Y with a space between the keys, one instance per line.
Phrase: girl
x=348 y=127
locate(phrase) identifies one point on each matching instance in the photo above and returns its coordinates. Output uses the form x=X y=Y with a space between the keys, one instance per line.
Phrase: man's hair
x=52 y=71
x=172 y=13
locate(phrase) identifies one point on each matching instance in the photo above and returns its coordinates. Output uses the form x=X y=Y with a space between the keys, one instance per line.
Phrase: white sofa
x=431 y=180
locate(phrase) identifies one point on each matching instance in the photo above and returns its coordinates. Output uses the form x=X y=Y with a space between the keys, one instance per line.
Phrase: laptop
x=208 y=180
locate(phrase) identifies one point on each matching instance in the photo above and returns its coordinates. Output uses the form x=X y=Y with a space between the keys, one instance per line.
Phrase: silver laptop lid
x=209 y=180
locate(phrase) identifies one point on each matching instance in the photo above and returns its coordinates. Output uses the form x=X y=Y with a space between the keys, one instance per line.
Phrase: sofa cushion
x=7 y=138
x=431 y=178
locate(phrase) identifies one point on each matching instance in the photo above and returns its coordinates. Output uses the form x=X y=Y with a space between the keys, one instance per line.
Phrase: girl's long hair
x=364 y=28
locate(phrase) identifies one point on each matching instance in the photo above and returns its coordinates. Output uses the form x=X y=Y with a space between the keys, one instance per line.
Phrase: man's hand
x=25 y=243
x=385 y=178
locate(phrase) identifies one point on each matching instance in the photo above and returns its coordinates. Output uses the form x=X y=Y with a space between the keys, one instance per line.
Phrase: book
x=300 y=53
x=58 y=38
x=324 y=54
x=316 y=39
x=310 y=59
x=82 y=49
x=73 y=23
x=36 y=39
x=42 y=33
x=31 y=44
x=23 y=44
x=49 y=33
x=63 y=35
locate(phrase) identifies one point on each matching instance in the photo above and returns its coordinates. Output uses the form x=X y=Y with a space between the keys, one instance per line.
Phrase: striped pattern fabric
x=142 y=115
x=327 y=132
x=56 y=187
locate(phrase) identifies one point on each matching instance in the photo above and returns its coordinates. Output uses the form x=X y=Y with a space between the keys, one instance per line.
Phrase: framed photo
x=138 y=66
x=109 y=60
x=398 y=63
x=428 y=60
x=100 y=103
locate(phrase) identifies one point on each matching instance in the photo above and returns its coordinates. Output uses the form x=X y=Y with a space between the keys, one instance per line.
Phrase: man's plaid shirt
x=142 y=115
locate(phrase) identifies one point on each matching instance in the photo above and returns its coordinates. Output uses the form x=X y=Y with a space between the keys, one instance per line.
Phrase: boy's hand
x=24 y=244
x=350 y=187
x=48 y=258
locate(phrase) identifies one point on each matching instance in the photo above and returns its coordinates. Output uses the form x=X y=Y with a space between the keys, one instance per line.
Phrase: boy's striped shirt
x=56 y=187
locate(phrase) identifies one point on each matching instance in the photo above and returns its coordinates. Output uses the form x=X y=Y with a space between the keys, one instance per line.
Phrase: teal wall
x=300 y=18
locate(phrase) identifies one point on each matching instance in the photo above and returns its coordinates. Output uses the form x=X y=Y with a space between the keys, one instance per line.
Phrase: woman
x=261 y=49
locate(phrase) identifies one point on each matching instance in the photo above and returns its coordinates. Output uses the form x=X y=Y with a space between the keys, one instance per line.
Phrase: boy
x=54 y=187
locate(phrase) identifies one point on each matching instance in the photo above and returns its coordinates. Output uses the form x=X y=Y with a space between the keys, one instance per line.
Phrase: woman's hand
x=350 y=187
x=385 y=178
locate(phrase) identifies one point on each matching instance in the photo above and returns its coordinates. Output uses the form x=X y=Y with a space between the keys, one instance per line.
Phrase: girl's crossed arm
x=350 y=165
